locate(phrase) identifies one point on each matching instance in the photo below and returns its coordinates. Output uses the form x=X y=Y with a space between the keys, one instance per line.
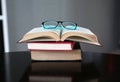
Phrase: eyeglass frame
x=58 y=24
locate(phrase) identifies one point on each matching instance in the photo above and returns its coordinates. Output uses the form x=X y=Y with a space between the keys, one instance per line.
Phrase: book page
x=41 y=29
x=81 y=39
x=41 y=33
x=79 y=29
x=78 y=35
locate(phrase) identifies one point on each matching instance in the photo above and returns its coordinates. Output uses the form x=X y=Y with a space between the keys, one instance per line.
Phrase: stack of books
x=55 y=44
x=54 y=51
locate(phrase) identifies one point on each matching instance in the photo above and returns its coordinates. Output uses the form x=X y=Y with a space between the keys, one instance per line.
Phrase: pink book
x=67 y=45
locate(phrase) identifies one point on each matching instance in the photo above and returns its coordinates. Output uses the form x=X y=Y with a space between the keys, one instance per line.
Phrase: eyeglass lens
x=50 y=24
x=69 y=25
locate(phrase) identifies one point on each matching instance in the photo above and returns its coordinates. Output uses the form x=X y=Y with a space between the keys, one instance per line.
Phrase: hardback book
x=50 y=45
x=63 y=55
x=80 y=34
x=54 y=71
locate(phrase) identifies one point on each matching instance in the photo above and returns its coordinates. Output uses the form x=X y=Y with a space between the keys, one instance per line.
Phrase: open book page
x=81 y=35
x=41 y=29
x=83 y=40
x=79 y=29
x=41 y=33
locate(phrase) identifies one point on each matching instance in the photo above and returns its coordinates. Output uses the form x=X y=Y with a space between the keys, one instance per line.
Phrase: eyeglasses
x=55 y=24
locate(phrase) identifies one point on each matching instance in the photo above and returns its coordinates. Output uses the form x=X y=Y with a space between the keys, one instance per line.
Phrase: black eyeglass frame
x=43 y=24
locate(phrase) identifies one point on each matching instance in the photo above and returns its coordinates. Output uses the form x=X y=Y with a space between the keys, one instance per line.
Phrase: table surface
x=94 y=67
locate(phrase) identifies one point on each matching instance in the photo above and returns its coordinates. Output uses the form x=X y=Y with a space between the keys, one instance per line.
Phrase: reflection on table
x=94 y=67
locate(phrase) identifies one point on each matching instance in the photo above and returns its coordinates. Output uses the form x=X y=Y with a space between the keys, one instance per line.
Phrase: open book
x=79 y=35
